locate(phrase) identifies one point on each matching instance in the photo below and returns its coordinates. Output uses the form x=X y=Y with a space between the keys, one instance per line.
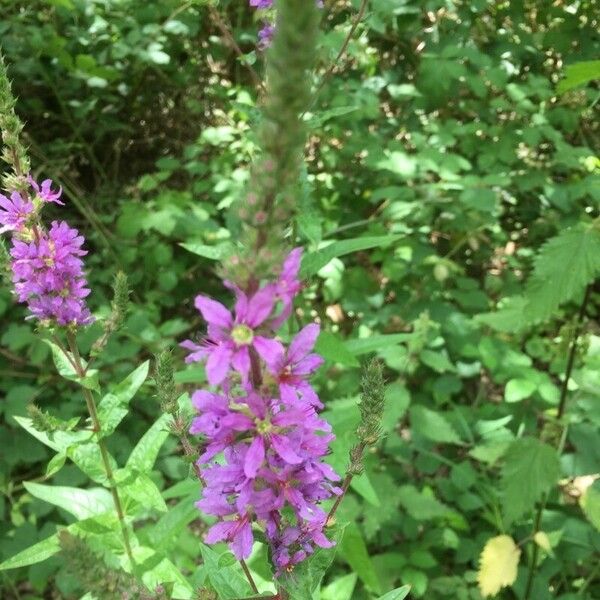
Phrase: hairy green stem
x=93 y=411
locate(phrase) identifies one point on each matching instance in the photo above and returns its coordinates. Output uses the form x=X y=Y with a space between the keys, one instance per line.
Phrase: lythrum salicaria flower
x=263 y=441
x=46 y=265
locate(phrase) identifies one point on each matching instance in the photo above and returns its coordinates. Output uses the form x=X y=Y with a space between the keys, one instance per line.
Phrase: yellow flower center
x=242 y=335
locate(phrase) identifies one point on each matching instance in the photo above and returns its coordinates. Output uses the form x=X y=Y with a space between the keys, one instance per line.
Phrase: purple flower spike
x=45 y=192
x=48 y=275
x=261 y=3
x=15 y=212
x=263 y=443
x=265 y=36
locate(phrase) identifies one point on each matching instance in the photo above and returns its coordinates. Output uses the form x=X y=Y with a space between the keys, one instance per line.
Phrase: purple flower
x=15 y=212
x=291 y=368
x=288 y=285
x=45 y=192
x=48 y=275
x=265 y=36
x=261 y=3
x=230 y=339
x=263 y=443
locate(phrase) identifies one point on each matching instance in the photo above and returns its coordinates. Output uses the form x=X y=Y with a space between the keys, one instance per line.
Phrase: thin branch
x=216 y=17
x=248 y=576
x=359 y=17
x=573 y=352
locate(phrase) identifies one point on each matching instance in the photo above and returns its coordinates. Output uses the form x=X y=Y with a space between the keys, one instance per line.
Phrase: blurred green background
x=459 y=179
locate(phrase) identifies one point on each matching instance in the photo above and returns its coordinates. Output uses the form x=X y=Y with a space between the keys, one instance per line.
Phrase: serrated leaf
x=432 y=425
x=143 y=456
x=34 y=554
x=82 y=504
x=397 y=594
x=354 y=551
x=531 y=468
x=315 y=261
x=565 y=265
x=419 y=505
x=498 y=565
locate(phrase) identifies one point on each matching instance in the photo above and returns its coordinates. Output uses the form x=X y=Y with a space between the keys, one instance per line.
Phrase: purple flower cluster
x=46 y=265
x=262 y=460
x=266 y=33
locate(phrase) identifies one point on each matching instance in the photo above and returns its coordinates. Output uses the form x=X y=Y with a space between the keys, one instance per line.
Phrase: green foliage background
x=450 y=211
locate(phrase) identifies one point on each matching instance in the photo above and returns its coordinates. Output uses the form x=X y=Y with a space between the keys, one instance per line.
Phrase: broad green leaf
x=563 y=268
x=82 y=504
x=306 y=578
x=334 y=350
x=510 y=316
x=165 y=572
x=397 y=399
x=114 y=406
x=210 y=252
x=34 y=554
x=375 y=342
x=143 y=456
x=228 y=582
x=67 y=370
x=438 y=361
x=579 y=73
x=144 y=491
x=89 y=459
x=354 y=551
x=531 y=468
x=432 y=425
x=341 y=588
x=397 y=594
x=315 y=261
x=420 y=505
x=519 y=389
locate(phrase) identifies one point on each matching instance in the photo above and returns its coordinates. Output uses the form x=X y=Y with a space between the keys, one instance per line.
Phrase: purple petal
x=308 y=364
x=241 y=544
x=214 y=312
x=260 y=306
x=269 y=350
x=241 y=361
x=303 y=343
x=288 y=394
x=219 y=532
x=254 y=457
x=282 y=446
x=217 y=365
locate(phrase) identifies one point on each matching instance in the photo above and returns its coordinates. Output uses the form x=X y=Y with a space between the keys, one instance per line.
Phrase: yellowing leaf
x=543 y=541
x=497 y=565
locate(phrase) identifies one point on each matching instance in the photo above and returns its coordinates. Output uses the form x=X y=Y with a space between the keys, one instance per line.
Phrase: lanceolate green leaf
x=397 y=594
x=34 y=554
x=531 y=468
x=144 y=454
x=314 y=261
x=66 y=369
x=82 y=504
x=113 y=407
x=228 y=582
x=354 y=550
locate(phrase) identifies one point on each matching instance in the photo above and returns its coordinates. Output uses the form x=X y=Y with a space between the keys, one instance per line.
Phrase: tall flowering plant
x=263 y=442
